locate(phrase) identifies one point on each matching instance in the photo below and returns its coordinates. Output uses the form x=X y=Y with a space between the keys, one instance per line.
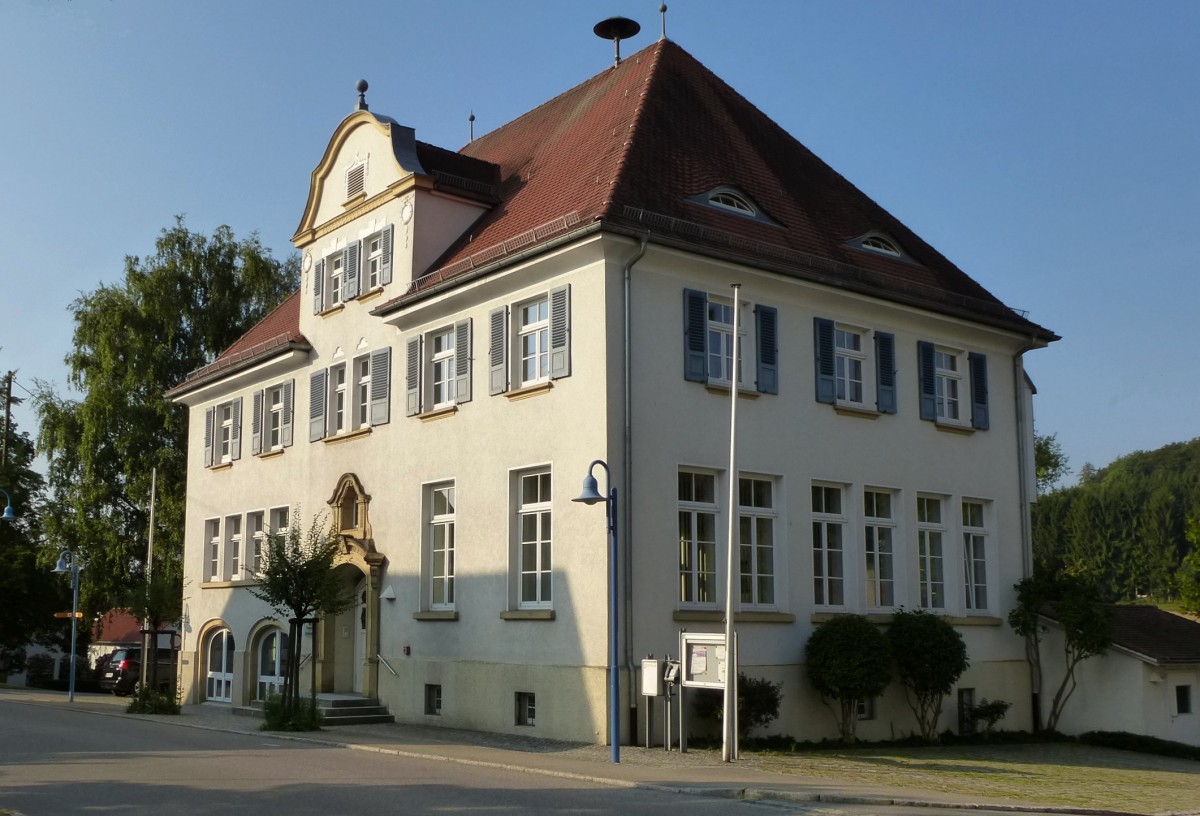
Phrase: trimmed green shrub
x=848 y=660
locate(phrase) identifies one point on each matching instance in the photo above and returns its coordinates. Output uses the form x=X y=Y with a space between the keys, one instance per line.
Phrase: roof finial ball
x=361 y=87
x=663 y=11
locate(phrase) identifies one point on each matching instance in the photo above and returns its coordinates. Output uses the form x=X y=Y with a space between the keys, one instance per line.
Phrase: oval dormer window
x=877 y=243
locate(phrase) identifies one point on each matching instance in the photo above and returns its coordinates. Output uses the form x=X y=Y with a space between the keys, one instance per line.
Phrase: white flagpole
x=729 y=721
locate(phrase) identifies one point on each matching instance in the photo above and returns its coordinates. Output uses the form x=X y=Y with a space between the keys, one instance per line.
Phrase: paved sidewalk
x=698 y=772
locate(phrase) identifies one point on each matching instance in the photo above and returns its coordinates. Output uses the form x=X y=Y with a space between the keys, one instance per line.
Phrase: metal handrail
x=380 y=658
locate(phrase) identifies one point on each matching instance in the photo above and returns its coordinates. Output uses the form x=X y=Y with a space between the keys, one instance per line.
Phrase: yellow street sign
x=68 y=615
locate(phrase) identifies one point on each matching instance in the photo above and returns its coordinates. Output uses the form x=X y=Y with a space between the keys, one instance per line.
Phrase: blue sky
x=1051 y=150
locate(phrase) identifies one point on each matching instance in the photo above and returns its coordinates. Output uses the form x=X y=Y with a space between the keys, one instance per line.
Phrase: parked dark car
x=123 y=674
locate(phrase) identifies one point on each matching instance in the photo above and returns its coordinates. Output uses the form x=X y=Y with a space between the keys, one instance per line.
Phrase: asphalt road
x=56 y=762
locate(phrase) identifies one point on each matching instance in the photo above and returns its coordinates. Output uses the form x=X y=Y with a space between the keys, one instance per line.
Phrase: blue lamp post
x=591 y=495
x=67 y=562
x=9 y=515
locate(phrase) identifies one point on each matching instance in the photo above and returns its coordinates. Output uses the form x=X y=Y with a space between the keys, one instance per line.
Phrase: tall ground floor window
x=219 y=685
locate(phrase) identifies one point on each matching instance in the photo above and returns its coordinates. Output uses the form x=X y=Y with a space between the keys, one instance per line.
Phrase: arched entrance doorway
x=349 y=640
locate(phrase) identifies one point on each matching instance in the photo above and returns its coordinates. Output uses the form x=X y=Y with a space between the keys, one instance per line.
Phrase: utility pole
x=8 y=381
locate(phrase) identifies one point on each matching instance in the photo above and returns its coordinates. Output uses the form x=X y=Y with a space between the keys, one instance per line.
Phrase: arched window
x=272 y=663
x=349 y=504
x=880 y=244
x=731 y=201
x=220 y=667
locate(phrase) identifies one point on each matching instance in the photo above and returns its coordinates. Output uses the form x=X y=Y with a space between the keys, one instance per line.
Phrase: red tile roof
x=279 y=330
x=626 y=150
x=631 y=145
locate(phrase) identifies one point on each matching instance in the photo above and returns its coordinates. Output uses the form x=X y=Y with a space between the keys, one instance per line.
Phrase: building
x=475 y=327
x=1152 y=666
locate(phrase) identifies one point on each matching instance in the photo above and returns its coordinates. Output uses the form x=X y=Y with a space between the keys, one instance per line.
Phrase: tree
x=1076 y=605
x=1188 y=576
x=30 y=593
x=172 y=313
x=298 y=580
x=930 y=657
x=1050 y=463
x=848 y=660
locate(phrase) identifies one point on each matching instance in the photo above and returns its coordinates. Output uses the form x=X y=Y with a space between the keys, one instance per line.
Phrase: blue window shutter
x=318 y=280
x=927 y=375
x=285 y=425
x=695 y=329
x=209 y=415
x=498 y=350
x=885 y=372
x=979 y=391
x=235 y=432
x=462 y=361
x=385 y=259
x=350 y=272
x=560 y=332
x=825 y=360
x=316 y=405
x=766 y=323
x=381 y=386
x=256 y=424
x=412 y=377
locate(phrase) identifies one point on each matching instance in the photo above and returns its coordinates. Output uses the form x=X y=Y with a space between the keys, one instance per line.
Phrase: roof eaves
x=224 y=366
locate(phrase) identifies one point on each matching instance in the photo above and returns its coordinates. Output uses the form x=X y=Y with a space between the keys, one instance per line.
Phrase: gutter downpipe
x=627 y=482
x=1035 y=664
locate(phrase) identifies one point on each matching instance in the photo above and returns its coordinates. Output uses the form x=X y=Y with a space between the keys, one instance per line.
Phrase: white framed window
x=219 y=667
x=756 y=540
x=337 y=399
x=975 y=572
x=255 y=535
x=362 y=391
x=441 y=503
x=879 y=530
x=534 y=539
x=439 y=368
x=272 y=663
x=948 y=379
x=223 y=433
x=849 y=363
x=829 y=532
x=271 y=419
x=720 y=341
x=529 y=344
x=233 y=548
x=697 y=538
x=880 y=244
x=373 y=261
x=279 y=521
x=212 y=545
x=533 y=341
x=336 y=266
x=930 y=555
x=866 y=708
x=442 y=367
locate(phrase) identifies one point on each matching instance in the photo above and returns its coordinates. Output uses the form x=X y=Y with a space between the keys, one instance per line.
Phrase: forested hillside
x=1129 y=527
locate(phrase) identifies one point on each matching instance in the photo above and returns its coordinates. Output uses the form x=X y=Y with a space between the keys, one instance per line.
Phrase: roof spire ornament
x=616 y=29
x=663 y=11
x=471 y=125
x=361 y=87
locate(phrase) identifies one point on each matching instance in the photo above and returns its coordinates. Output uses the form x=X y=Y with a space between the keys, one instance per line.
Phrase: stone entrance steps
x=352 y=709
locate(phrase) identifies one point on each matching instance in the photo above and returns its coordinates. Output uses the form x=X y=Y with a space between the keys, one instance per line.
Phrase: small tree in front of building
x=930 y=657
x=848 y=661
x=297 y=579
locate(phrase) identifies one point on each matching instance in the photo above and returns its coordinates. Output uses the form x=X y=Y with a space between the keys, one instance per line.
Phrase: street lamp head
x=9 y=515
x=591 y=493
x=66 y=560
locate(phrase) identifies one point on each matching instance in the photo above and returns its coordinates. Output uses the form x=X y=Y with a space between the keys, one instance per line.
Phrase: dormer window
x=879 y=243
x=729 y=199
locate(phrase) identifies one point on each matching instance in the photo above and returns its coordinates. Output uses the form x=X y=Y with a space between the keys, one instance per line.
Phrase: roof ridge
x=631 y=136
